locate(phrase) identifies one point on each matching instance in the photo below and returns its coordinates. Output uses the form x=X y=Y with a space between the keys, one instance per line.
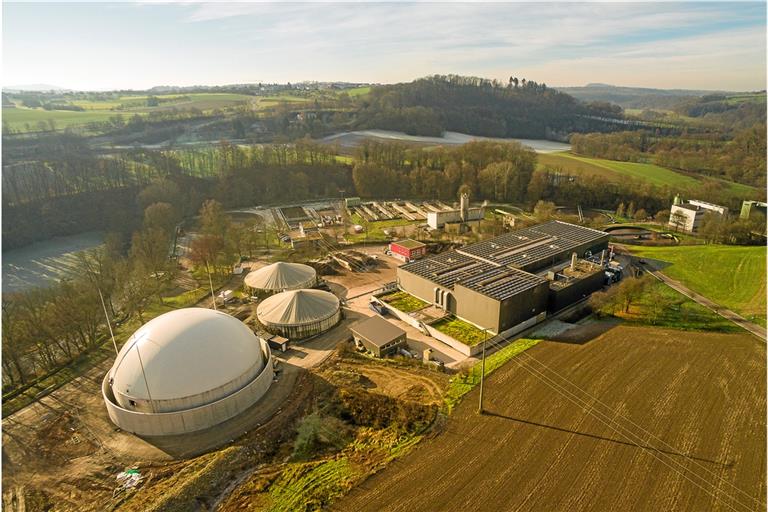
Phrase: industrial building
x=299 y=314
x=281 y=276
x=572 y=282
x=463 y=217
x=407 y=250
x=184 y=371
x=688 y=215
x=378 y=336
x=499 y=284
x=750 y=208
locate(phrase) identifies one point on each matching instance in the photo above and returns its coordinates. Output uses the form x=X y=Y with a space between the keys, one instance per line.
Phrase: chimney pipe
x=574 y=257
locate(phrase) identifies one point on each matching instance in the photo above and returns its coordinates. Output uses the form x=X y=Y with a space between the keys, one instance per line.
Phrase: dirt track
x=701 y=394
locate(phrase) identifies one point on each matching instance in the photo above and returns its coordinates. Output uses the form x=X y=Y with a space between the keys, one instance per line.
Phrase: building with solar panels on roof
x=502 y=282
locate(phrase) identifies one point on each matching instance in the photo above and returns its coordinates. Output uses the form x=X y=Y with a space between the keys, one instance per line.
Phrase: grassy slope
x=678 y=312
x=733 y=276
x=18 y=117
x=613 y=170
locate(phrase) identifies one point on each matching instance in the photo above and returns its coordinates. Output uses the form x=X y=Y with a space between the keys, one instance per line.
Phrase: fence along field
x=545 y=445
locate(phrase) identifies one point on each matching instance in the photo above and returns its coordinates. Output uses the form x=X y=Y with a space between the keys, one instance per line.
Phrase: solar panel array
x=448 y=267
x=533 y=246
x=491 y=267
x=501 y=283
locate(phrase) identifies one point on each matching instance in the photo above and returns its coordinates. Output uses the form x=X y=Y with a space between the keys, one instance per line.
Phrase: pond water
x=45 y=262
x=450 y=138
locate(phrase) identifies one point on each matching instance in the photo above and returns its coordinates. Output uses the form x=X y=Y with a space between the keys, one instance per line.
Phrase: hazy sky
x=704 y=45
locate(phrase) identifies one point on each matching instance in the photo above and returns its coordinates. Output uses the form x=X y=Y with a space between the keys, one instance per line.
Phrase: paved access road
x=726 y=313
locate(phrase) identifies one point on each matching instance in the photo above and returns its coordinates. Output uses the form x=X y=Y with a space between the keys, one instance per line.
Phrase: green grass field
x=614 y=171
x=18 y=118
x=661 y=306
x=732 y=276
x=358 y=91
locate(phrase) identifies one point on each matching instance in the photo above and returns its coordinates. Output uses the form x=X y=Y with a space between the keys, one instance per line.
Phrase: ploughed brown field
x=699 y=396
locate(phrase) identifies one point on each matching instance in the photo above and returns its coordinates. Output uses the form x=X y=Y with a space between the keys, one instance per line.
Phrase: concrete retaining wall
x=405 y=317
x=190 y=420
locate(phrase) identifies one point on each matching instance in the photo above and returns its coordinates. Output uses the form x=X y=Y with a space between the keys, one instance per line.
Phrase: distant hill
x=34 y=88
x=633 y=97
x=637 y=97
x=429 y=106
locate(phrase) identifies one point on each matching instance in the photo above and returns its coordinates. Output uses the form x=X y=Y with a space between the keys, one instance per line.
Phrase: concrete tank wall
x=188 y=402
x=301 y=331
x=197 y=418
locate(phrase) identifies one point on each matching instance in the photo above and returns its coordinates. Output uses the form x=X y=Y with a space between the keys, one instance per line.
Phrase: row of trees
x=44 y=328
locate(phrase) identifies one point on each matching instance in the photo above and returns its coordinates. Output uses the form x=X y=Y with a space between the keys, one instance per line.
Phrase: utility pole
x=109 y=324
x=210 y=282
x=482 y=374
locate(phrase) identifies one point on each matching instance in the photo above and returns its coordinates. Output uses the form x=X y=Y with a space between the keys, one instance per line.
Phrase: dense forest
x=519 y=108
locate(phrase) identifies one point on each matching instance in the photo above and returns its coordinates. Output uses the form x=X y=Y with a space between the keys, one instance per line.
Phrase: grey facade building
x=494 y=284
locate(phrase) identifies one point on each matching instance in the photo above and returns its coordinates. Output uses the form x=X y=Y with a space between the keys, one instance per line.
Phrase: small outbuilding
x=378 y=336
x=408 y=250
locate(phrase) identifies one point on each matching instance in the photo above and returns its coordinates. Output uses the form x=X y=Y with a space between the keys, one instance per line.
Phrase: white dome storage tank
x=184 y=371
x=299 y=314
x=282 y=276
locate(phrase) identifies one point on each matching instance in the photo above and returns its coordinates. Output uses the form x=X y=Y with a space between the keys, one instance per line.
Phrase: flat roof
x=409 y=244
x=569 y=277
x=501 y=283
x=533 y=245
x=377 y=330
x=447 y=267
x=493 y=267
x=690 y=207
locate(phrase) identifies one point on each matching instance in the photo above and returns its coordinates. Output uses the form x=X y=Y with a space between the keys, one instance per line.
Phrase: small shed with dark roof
x=378 y=336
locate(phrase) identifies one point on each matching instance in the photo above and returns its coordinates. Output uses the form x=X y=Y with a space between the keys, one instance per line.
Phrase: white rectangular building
x=688 y=216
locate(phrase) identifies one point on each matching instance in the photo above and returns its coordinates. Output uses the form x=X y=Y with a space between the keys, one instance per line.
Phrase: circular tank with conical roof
x=299 y=314
x=281 y=276
x=186 y=370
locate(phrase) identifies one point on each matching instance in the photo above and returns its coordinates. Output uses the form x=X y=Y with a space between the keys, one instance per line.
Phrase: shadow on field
x=600 y=438
x=582 y=334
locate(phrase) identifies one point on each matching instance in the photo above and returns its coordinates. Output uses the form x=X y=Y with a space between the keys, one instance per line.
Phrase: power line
x=643 y=430
x=638 y=439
